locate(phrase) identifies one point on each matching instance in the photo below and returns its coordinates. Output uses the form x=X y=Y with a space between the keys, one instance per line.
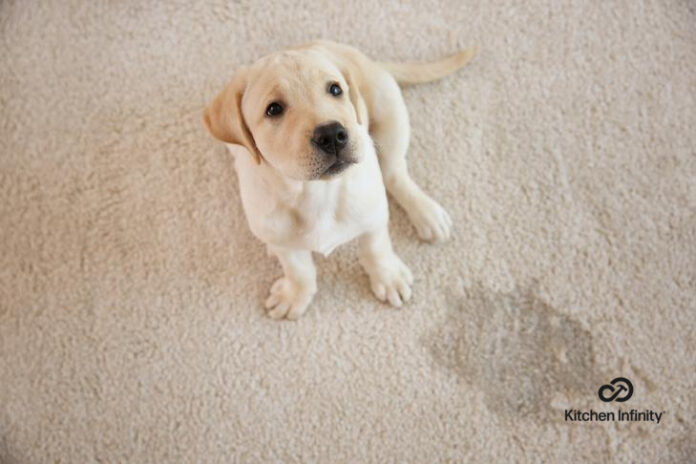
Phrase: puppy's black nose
x=330 y=138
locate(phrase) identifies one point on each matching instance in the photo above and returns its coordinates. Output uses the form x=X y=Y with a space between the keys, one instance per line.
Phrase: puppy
x=303 y=125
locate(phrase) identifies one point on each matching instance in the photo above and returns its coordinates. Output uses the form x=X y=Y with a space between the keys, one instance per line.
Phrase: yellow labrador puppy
x=317 y=133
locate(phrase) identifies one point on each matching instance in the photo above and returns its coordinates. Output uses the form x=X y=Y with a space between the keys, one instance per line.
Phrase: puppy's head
x=296 y=110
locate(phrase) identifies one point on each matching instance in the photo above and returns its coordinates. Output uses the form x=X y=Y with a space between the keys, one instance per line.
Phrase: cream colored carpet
x=131 y=291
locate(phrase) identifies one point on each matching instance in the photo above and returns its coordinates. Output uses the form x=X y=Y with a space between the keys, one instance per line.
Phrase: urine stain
x=528 y=359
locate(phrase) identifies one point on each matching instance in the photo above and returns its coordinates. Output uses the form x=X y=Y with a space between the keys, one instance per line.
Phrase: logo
x=620 y=389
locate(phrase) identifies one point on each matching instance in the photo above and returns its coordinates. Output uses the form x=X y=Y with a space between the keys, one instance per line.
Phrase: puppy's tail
x=415 y=73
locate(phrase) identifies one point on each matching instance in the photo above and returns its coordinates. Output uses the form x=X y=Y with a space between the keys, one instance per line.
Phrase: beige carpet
x=131 y=290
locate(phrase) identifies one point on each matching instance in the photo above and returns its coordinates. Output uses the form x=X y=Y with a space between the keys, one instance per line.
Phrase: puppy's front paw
x=288 y=299
x=430 y=219
x=391 y=280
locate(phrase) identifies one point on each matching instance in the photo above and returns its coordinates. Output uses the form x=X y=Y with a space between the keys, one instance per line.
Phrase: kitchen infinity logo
x=620 y=389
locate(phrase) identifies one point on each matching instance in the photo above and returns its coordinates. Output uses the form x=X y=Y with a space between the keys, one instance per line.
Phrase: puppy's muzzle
x=330 y=138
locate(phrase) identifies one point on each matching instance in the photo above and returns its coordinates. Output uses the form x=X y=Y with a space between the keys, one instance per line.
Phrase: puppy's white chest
x=317 y=215
x=327 y=218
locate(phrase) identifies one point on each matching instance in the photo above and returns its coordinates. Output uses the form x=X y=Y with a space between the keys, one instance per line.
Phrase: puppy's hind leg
x=391 y=135
x=291 y=294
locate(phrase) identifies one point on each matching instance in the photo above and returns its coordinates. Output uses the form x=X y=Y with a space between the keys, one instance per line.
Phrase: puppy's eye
x=335 y=90
x=274 y=109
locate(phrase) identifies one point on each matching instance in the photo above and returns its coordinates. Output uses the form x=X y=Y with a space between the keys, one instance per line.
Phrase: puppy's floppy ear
x=355 y=97
x=224 y=118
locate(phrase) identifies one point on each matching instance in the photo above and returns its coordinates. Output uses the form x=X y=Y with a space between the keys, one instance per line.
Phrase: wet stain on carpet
x=527 y=358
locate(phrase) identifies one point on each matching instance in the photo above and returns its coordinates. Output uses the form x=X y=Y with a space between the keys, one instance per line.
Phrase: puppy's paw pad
x=391 y=281
x=431 y=220
x=288 y=299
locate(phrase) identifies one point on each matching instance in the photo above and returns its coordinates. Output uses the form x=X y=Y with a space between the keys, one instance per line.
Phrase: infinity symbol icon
x=612 y=390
